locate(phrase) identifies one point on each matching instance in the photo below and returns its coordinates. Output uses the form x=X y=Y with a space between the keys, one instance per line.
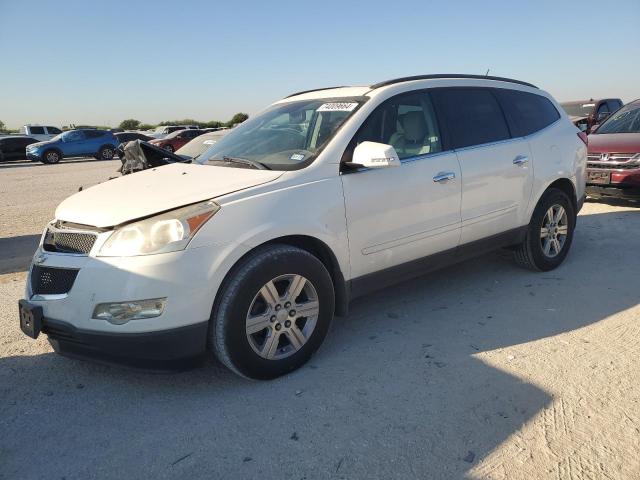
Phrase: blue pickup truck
x=100 y=144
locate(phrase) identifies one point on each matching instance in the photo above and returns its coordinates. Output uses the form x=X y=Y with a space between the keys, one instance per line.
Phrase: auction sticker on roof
x=337 y=107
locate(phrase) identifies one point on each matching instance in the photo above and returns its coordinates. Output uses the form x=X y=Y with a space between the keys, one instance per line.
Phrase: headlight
x=168 y=232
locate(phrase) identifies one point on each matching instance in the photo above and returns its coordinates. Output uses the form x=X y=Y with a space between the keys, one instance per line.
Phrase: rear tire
x=273 y=312
x=50 y=157
x=549 y=234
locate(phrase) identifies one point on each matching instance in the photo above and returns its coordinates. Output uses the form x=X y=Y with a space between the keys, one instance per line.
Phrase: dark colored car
x=126 y=137
x=100 y=144
x=14 y=147
x=613 y=164
x=198 y=145
x=175 y=140
x=585 y=114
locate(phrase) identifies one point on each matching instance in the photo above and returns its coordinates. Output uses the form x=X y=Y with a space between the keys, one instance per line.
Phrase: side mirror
x=375 y=155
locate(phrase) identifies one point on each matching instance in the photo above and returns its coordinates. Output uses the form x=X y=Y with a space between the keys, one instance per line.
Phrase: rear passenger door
x=497 y=174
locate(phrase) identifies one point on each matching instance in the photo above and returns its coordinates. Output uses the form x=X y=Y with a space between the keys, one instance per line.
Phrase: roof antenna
x=487 y=74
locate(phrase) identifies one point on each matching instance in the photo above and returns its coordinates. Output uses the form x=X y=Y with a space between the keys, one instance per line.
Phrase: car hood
x=156 y=190
x=614 y=143
x=43 y=144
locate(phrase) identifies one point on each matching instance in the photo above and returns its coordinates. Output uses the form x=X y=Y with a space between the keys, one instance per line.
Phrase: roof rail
x=448 y=75
x=312 y=90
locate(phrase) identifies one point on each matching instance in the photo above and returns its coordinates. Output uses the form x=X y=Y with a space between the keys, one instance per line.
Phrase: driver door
x=74 y=143
x=396 y=215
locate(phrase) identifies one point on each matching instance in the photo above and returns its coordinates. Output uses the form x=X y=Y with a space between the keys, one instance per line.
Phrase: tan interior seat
x=414 y=137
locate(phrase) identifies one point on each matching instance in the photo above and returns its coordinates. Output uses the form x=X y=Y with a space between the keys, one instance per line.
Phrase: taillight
x=583 y=137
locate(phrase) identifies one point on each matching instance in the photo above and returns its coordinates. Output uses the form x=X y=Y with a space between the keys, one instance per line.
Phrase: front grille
x=613 y=161
x=609 y=166
x=52 y=281
x=68 y=242
x=610 y=157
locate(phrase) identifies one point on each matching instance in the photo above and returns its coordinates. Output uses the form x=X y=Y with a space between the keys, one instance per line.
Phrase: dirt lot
x=482 y=370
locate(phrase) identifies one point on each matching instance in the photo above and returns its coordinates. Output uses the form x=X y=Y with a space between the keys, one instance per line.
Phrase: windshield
x=625 y=120
x=199 y=144
x=578 y=109
x=286 y=136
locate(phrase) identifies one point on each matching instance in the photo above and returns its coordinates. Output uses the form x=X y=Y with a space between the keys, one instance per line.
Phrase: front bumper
x=176 y=348
x=34 y=156
x=622 y=191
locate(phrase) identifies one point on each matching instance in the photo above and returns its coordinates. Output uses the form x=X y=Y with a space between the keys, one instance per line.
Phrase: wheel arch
x=55 y=149
x=567 y=186
x=318 y=249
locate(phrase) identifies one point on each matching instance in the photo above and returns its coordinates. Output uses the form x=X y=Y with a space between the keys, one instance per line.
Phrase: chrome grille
x=613 y=161
x=68 y=242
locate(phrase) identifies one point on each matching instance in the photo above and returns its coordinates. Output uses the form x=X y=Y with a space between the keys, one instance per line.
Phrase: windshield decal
x=297 y=157
x=337 y=107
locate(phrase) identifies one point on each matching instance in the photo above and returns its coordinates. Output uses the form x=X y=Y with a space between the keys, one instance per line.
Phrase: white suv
x=322 y=197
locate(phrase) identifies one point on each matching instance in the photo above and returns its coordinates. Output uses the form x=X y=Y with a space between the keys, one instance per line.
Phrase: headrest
x=414 y=125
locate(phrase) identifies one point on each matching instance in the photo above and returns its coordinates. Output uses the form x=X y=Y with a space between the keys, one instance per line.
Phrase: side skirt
x=390 y=276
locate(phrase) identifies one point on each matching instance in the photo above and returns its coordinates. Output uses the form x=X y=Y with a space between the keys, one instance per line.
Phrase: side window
x=93 y=133
x=407 y=122
x=602 y=108
x=614 y=105
x=54 y=130
x=37 y=130
x=473 y=116
x=527 y=112
x=74 y=136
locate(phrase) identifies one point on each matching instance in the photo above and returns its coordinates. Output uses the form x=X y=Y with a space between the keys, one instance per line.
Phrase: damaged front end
x=140 y=155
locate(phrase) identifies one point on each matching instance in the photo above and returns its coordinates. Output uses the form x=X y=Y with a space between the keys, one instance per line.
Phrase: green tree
x=130 y=124
x=146 y=126
x=237 y=118
x=2 y=127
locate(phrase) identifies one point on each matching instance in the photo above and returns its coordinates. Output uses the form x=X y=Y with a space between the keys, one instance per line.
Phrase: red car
x=613 y=165
x=177 y=139
x=586 y=114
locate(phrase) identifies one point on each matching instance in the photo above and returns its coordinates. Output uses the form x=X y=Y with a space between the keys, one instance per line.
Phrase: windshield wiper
x=242 y=161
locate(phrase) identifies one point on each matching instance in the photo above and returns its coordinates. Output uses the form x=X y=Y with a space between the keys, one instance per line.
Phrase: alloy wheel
x=554 y=231
x=282 y=316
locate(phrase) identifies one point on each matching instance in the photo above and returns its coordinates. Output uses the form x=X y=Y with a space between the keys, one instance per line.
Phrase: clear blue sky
x=101 y=62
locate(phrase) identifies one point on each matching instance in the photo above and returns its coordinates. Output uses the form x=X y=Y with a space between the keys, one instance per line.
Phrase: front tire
x=273 y=312
x=106 y=153
x=549 y=234
x=168 y=148
x=50 y=157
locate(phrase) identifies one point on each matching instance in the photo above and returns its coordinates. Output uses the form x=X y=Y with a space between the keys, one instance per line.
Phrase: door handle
x=444 y=176
x=520 y=159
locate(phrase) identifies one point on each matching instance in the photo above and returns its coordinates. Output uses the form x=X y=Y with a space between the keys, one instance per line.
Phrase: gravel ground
x=482 y=370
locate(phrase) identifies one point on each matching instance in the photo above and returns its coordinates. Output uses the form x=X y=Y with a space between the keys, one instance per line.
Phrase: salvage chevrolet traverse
x=248 y=253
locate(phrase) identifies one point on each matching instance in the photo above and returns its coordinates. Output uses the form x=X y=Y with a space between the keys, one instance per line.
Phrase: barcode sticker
x=337 y=107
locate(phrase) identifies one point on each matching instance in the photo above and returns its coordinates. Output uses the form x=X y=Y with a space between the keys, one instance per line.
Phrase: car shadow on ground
x=399 y=390
x=16 y=252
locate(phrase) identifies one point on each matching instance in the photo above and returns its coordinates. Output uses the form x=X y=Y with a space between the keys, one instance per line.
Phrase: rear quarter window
x=527 y=112
x=37 y=130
